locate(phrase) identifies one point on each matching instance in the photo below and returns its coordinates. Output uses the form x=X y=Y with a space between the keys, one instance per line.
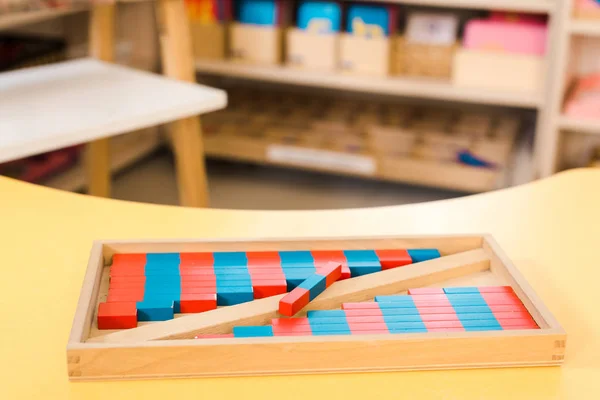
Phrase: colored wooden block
x=230 y=259
x=126 y=270
x=328 y=321
x=442 y=317
x=396 y=326
x=323 y=257
x=268 y=288
x=471 y=309
x=368 y=327
x=124 y=298
x=443 y=324
x=360 y=306
x=294 y=301
x=501 y=299
x=290 y=322
x=483 y=328
x=326 y=314
x=263 y=258
x=317 y=327
x=122 y=315
x=461 y=290
x=191 y=279
x=198 y=290
x=420 y=255
x=392 y=258
x=507 y=307
x=495 y=289
x=359 y=312
x=332 y=273
x=197 y=302
x=361 y=257
x=518 y=314
x=155 y=310
x=461 y=329
x=132 y=278
x=419 y=291
x=331 y=333
x=523 y=323
x=480 y=323
x=196 y=270
x=229 y=296
x=162 y=270
x=297 y=259
x=392 y=319
x=399 y=311
x=252 y=331
x=315 y=284
x=234 y=277
x=196 y=259
x=405 y=331
x=126 y=284
x=137 y=291
x=395 y=299
x=162 y=259
x=129 y=259
x=476 y=317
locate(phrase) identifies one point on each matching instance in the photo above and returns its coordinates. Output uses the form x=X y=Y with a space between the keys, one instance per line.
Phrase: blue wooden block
x=230 y=259
x=489 y=323
x=368 y=15
x=169 y=271
x=472 y=309
x=234 y=277
x=320 y=327
x=476 y=317
x=395 y=299
x=252 y=331
x=165 y=297
x=296 y=259
x=327 y=15
x=315 y=284
x=329 y=321
x=293 y=283
x=458 y=300
x=361 y=257
x=483 y=328
x=461 y=290
x=229 y=296
x=398 y=310
x=419 y=255
x=392 y=319
x=363 y=269
x=326 y=314
x=405 y=325
x=234 y=284
x=162 y=259
x=218 y=272
x=257 y=12
x=417 y=330
x=331 y=333
x=155 y=310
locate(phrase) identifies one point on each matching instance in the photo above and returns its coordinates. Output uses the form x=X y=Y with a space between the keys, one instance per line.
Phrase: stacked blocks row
x=160 y=285
x=310 y=288
x=460 y=309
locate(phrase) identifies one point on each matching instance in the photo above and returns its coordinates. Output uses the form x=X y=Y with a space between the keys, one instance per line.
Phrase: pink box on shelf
x=512 y=37
x=584 y=102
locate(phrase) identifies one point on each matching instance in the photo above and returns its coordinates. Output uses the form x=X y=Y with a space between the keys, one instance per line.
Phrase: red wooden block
x=495 y=289
x=124 y=298
x=286 y=326
x=198 y=280
x=294 y=301
x=525 y=323
x=135 y=290
x=331 y=271
x=195 y=270
x=501 y=298
x=446 y=330
x=196 y=302
x=126 y=284
x=264 y=274
x=199 y=290
x=196 y=259
x=268 y=288
x=277 y=332
x=127 y=270
x=290 y=322
x=130 y=259
x=419 y=291
x=507 y=308
x=263 y=258
x=520 y=314
x=427 y=297
x=322 y=257
x=439 y=317
x=117 y=315
x=364 y=319
x=363 y=312
x=393 y=258
x=360 y=306
x=442 y=324
x=372 y=332
x=136 y=279
x=214 y=336
x=424 y=303
x=365 y=327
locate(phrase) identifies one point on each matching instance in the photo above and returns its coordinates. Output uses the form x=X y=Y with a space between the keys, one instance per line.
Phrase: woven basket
x=416 y=59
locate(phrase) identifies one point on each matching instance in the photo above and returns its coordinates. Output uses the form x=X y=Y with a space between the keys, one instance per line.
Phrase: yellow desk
x=550 y=229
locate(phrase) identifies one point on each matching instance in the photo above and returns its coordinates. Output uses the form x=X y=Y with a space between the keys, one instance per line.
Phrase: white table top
x=59 y=105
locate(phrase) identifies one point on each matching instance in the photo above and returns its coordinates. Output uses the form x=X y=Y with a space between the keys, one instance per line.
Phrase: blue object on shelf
x=257 y=12
x=367 y=20
x=466 y=157
x=319 y=16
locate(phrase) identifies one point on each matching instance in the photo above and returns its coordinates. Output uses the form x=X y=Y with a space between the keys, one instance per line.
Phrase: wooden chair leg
x=178 y=63
x=102 y=44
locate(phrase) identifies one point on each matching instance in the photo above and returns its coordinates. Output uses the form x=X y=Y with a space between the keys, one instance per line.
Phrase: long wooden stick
x=262 y=311
x=102 y=47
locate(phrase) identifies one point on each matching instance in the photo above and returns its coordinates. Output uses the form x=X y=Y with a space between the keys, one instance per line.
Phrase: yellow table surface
x=550 y=229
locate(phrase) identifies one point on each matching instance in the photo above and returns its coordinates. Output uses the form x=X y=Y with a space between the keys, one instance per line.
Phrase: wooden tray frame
x=133 y=354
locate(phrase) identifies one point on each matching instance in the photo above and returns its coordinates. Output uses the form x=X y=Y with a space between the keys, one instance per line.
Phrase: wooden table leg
x=178 y=63
x=102 y=44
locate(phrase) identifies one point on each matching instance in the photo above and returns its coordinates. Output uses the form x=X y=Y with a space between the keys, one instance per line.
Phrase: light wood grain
x=589 y=126
x=102 y=47
x=133 y=100
x=585 y=28
x=177 y=59
x=260 y=312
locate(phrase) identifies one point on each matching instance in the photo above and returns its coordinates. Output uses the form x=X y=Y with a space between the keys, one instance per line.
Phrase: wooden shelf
x=451 y=176
x=125 y=151
x=537 y=6
x=14 y=20
x=589 y=126
x=418 y=88
x=74 y=102
x=585 y=28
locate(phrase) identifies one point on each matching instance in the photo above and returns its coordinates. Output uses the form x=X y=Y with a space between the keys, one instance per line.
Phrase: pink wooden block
x=511 y=37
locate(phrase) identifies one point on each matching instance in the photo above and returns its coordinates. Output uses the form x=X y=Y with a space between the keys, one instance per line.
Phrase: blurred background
x=336 y=104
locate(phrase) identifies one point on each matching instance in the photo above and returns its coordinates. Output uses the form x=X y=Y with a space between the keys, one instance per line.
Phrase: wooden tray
x=167 y=349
